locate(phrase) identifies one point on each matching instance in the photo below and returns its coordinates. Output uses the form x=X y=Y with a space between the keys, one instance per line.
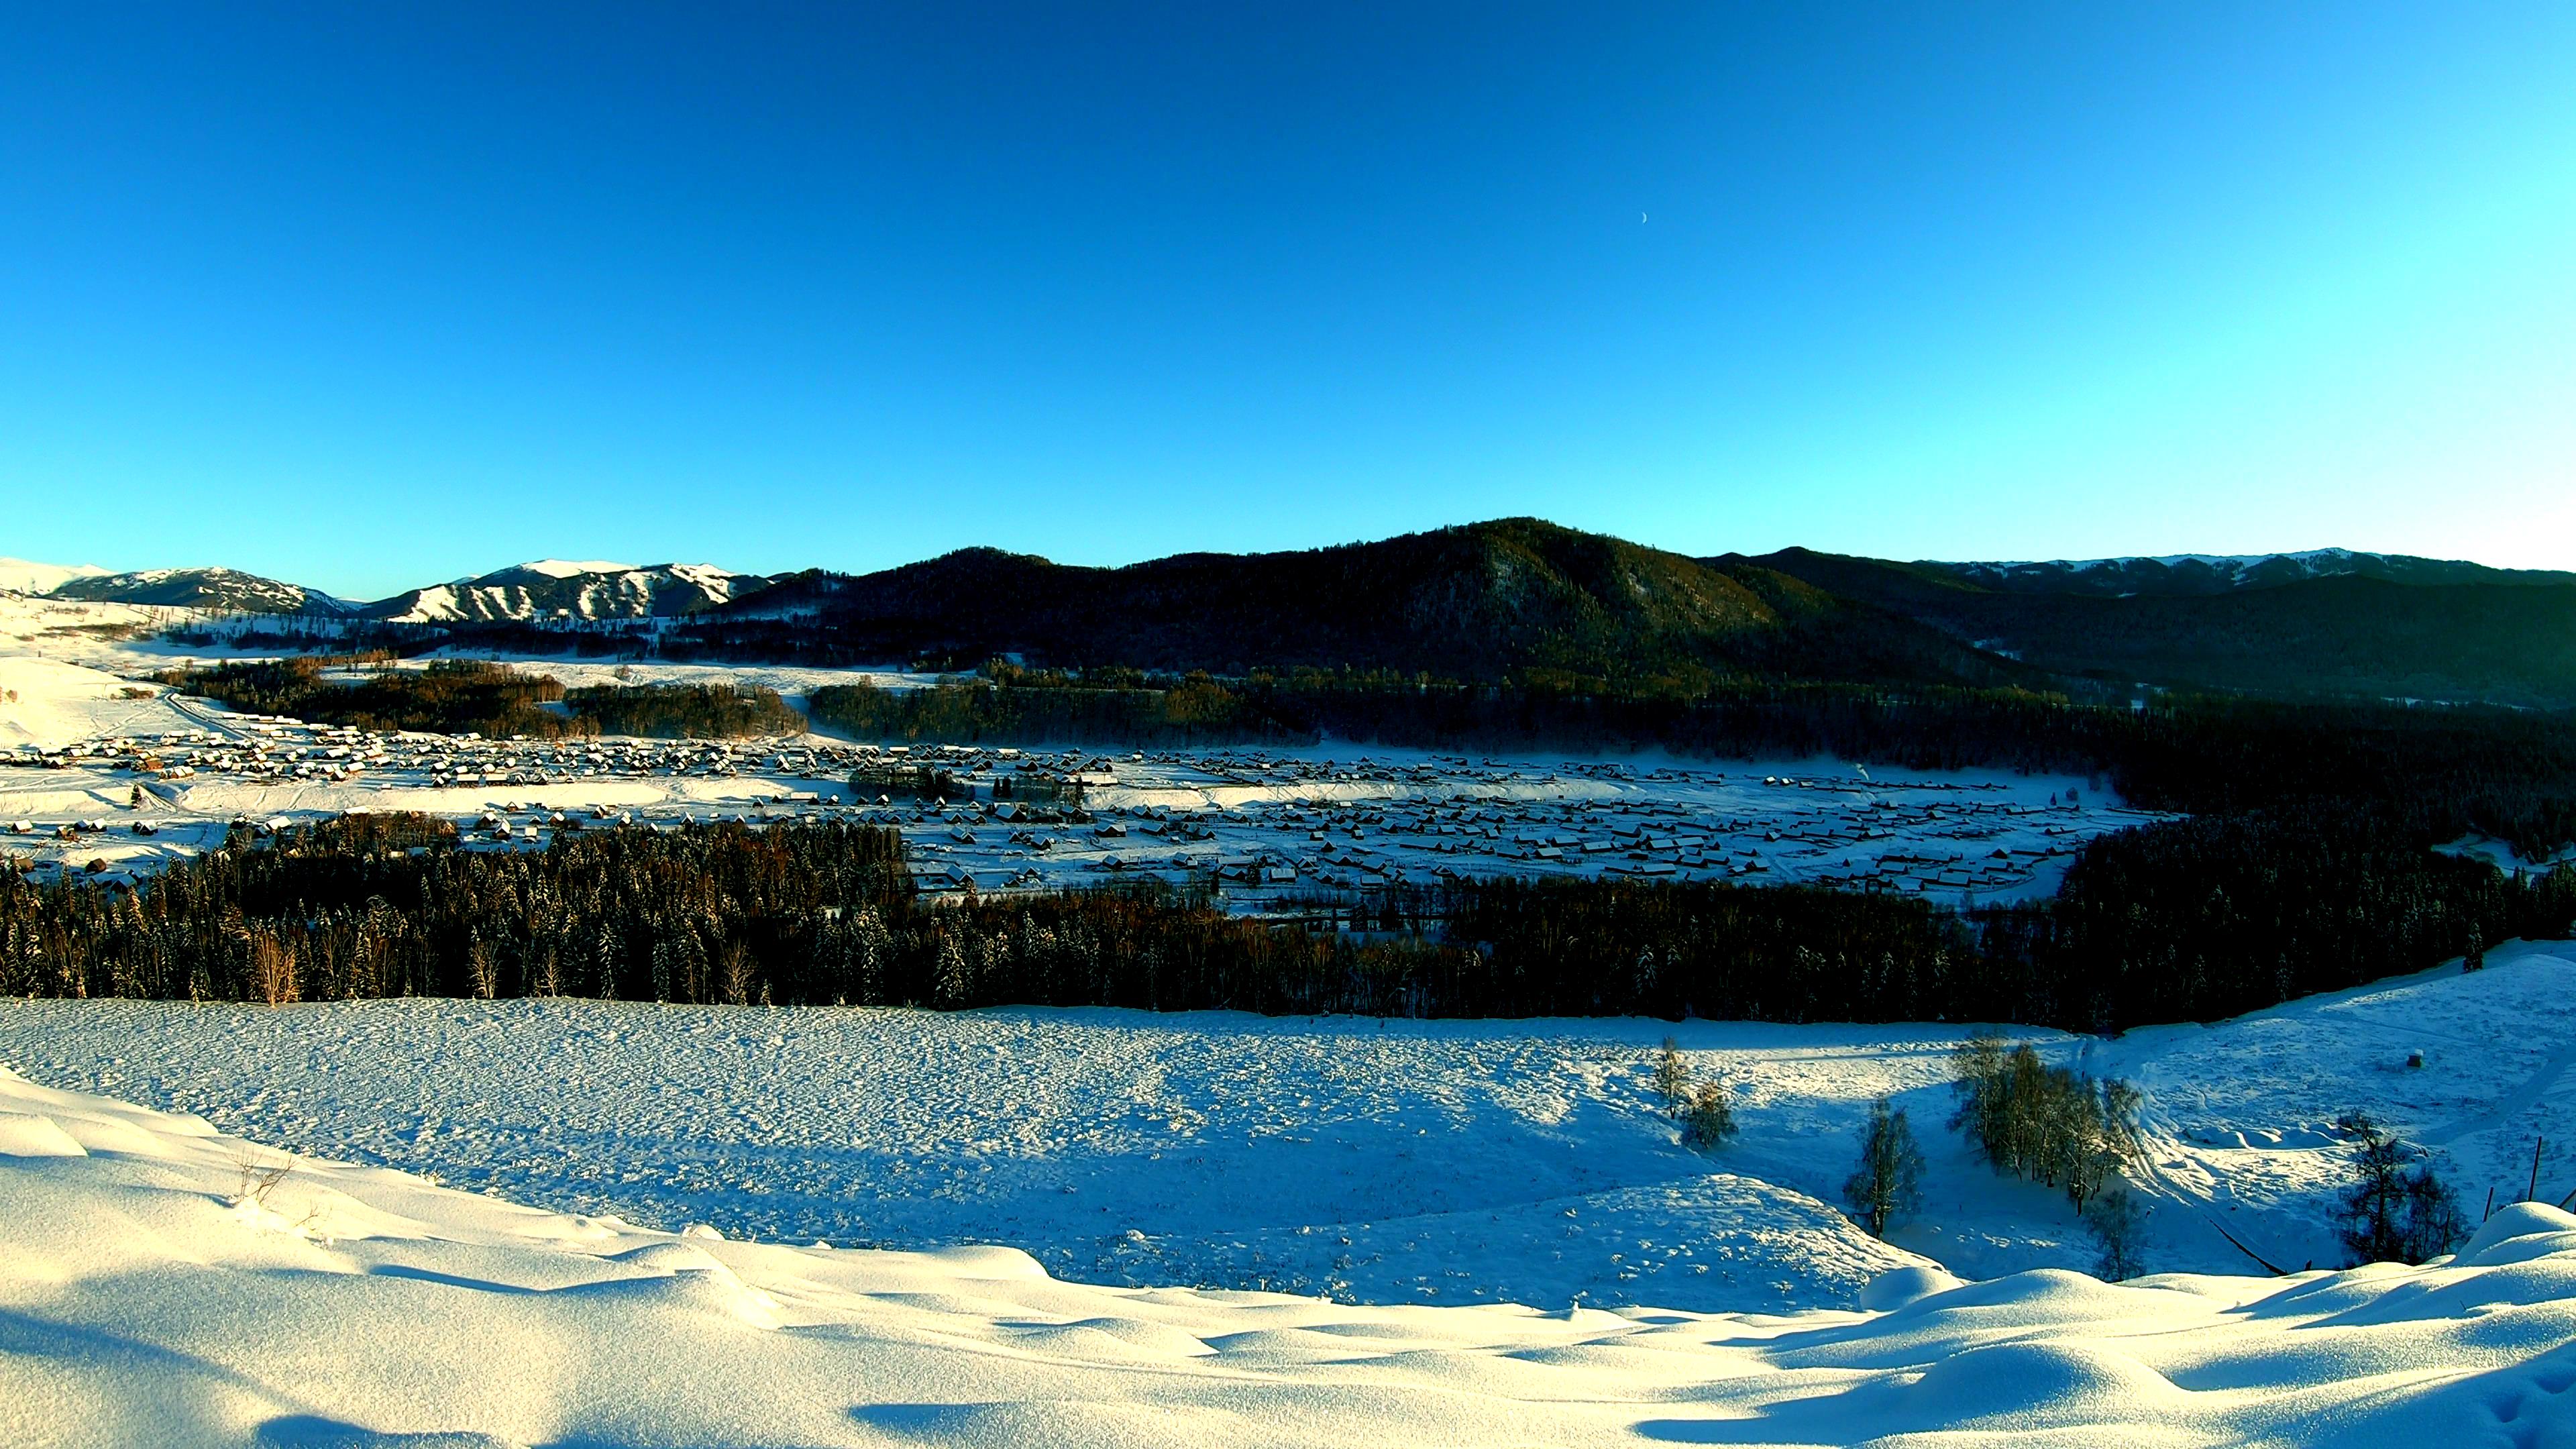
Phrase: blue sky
x=369 y=300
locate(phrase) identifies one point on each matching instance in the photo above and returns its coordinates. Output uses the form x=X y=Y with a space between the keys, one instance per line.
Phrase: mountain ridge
x=560 y=589
x=1526 y=601
x=212 y=588
x=2348 y=633
x=2184 y=574
x=1517 y=598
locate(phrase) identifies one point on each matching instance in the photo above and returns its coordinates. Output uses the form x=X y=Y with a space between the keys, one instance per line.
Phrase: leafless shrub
x=258 y=1180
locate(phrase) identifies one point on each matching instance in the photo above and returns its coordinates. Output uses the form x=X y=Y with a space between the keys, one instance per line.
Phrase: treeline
x=1568 y=947
x=1191 y=711
x=464 y=696
x=447 y=696
x=2189 y=921
x=2218 y=915
x=825 y=912
x=371 y=906
x=905 y=781
x=586 y=638
x=685 y=711
x=383 y=905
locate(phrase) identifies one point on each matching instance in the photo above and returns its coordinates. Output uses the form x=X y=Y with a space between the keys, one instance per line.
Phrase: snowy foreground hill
x=1427 y=1232
x=1454 y=1162
x=166 y=1284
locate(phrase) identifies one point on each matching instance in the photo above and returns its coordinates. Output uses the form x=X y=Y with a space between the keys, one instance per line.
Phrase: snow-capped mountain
x=2193 y=573
x=215 y=590
x=25 y=576
x=560 y=589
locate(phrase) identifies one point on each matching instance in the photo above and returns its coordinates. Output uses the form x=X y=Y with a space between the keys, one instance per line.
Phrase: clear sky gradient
x=368 y=299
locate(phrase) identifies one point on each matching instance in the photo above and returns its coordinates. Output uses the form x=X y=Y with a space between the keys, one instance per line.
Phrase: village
x=1264 y=829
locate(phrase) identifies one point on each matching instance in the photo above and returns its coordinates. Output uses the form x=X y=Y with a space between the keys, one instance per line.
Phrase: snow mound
x=188 y=1288
x=2045 y=1383
x=1898 y=1287
x=2520 y=1230
x=24 y=1134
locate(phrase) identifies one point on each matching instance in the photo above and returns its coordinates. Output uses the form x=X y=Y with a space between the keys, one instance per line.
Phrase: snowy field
x=1433 y=1162
x=168 y=1285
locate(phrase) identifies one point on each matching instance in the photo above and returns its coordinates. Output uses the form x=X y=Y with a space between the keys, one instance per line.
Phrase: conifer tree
x=1672 y=1079
x=1708 y=1119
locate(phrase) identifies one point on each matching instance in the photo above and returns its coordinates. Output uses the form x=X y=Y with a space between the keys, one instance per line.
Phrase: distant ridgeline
x=2223 y=917
x=1514 y=602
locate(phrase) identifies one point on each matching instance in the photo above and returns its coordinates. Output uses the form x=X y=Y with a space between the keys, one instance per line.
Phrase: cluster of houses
x=1285 y=825
x=1255 y=824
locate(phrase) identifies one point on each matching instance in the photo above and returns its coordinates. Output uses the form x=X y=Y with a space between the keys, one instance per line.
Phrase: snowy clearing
x=169 y=1285
x=1443 y=1162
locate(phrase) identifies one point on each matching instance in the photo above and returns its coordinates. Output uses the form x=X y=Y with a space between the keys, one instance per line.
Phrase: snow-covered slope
x=50 y=702
x=215 y=590
x=168 y=1285
x=2194 y=573
x=559 y=589
x=71 y=670
x=1422 y=1162
x=22 y=576
x=1442 y=1161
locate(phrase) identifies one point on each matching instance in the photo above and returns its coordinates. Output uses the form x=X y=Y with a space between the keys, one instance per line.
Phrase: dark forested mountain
x=2415 y=628
x=554 y=589
x=1515 y=599
x=1525 y=602
x=1531 y=602
x=217 y=590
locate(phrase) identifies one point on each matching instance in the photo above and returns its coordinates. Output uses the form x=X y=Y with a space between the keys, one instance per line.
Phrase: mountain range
x=536 y=592
x=1526 y=600
x=2201 y=574
x=556 y=589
